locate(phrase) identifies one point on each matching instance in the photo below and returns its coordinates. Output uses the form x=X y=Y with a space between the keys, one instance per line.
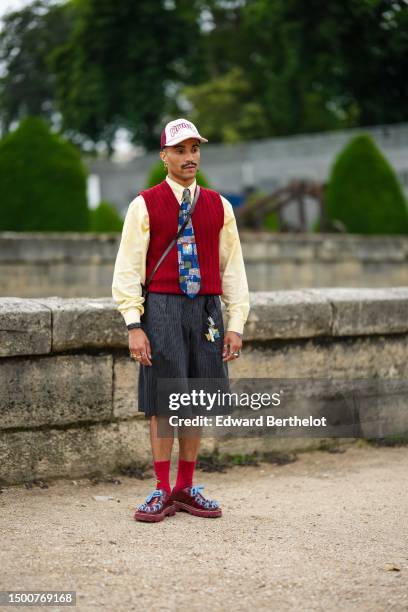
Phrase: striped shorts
x=175 y=326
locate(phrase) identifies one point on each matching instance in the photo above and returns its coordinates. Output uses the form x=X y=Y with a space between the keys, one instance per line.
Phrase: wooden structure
x=252 y=214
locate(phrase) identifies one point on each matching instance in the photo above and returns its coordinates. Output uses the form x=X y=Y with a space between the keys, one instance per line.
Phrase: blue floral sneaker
x=191 y=500
x=156 y=507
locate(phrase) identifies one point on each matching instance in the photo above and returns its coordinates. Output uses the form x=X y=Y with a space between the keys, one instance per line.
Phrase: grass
x=216 y=462
x=397 y=440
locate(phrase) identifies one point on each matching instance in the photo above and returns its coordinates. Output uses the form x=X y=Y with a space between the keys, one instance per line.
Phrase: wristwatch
x=134 y=325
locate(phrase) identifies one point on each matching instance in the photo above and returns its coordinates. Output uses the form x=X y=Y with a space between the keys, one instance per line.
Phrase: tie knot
x=186 y=195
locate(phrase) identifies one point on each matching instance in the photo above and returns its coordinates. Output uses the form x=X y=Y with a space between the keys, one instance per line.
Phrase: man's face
x=183 y=159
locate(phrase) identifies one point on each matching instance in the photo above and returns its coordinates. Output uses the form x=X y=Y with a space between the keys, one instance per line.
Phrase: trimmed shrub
x=43 y=182
x=105 y=218
x=363 y=191
x=158 y=173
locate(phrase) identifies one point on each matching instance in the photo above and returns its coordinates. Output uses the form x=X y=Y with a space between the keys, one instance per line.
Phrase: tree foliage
x=114 y=70
x=27 y=39
x=324 y=65
x=228 y=98
x=244 y=69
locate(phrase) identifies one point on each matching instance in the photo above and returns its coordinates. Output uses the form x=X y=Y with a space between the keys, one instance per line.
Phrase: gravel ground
x=327 y=532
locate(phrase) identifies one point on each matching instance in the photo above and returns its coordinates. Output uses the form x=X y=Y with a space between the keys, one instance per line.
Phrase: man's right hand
x=139 y=345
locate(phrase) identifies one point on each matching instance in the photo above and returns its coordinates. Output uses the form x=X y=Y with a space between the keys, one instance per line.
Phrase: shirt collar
x=178 y=189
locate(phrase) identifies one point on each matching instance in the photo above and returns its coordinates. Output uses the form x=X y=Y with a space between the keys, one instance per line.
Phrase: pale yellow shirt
x=130 y=265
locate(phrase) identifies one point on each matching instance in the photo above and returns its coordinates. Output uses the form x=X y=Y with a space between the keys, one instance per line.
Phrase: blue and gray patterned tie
x=189 y=268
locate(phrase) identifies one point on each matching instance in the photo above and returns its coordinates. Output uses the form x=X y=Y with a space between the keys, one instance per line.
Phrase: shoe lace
x=196 y=492
x=196 y=489
x=156 y=493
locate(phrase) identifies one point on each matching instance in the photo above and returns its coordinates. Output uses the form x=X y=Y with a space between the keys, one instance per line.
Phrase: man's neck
x=185 y=183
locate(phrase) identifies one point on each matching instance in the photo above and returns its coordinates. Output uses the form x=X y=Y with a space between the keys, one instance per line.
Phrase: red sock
x=162 y=471
x=184 y=474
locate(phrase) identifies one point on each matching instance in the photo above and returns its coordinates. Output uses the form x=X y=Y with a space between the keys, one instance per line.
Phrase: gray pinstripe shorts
x=175 y=326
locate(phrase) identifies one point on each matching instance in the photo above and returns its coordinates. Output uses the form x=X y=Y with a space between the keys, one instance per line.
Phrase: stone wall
x=81 y=265
x=68 y=388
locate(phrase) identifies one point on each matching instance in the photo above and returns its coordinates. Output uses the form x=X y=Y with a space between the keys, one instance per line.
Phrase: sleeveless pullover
x=207 y=219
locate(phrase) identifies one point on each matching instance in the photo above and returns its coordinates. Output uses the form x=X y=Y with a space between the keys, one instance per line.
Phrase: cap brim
x=175 y=141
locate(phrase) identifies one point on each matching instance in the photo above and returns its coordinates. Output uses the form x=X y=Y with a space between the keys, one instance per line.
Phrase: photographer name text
x=269 y=420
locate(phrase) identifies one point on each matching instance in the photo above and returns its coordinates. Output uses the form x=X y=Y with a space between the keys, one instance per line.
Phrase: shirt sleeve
x=130 y=265
x=233 y=275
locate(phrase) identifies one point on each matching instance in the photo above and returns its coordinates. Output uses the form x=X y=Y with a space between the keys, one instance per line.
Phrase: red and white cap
x=178 y=130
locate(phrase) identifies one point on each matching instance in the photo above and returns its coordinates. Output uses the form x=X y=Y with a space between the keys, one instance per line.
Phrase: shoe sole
x=155 y=518
x=197 y=512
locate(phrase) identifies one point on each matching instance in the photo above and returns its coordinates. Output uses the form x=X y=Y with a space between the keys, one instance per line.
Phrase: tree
x=363 y=191
x=27 y=39
x=266 y=68
x=325 y=65
x=42 y=181
x=118 y=64
x=225 y=110
x=372 y=48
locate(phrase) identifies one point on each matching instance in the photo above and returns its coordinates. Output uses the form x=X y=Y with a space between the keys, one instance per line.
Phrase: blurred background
x=304 y=105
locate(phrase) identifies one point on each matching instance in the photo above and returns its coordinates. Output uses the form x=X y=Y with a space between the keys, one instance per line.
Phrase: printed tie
x=189 y=268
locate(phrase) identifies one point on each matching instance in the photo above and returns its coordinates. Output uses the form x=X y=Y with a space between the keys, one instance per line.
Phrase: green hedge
x=43 y=182
x=363 y=191
x=105 y=218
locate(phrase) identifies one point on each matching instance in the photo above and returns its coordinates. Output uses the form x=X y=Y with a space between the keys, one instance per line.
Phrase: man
x=170 y=332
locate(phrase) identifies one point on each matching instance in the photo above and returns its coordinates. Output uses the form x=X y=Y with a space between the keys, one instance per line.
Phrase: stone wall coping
x=42 y=326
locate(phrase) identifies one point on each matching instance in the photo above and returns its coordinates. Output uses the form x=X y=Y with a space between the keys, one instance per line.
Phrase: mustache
x=189 y=166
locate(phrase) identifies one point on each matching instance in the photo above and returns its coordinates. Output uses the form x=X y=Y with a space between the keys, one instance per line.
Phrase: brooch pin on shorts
x=213 y=332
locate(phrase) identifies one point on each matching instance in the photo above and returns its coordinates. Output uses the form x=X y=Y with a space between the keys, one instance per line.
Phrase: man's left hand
x=232 y=344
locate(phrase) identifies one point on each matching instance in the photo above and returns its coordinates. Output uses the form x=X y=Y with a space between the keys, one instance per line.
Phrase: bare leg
x=189 y=444
x=161 y=447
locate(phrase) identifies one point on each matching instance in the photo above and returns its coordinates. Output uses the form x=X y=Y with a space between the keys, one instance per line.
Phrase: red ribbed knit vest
x=208 y=220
